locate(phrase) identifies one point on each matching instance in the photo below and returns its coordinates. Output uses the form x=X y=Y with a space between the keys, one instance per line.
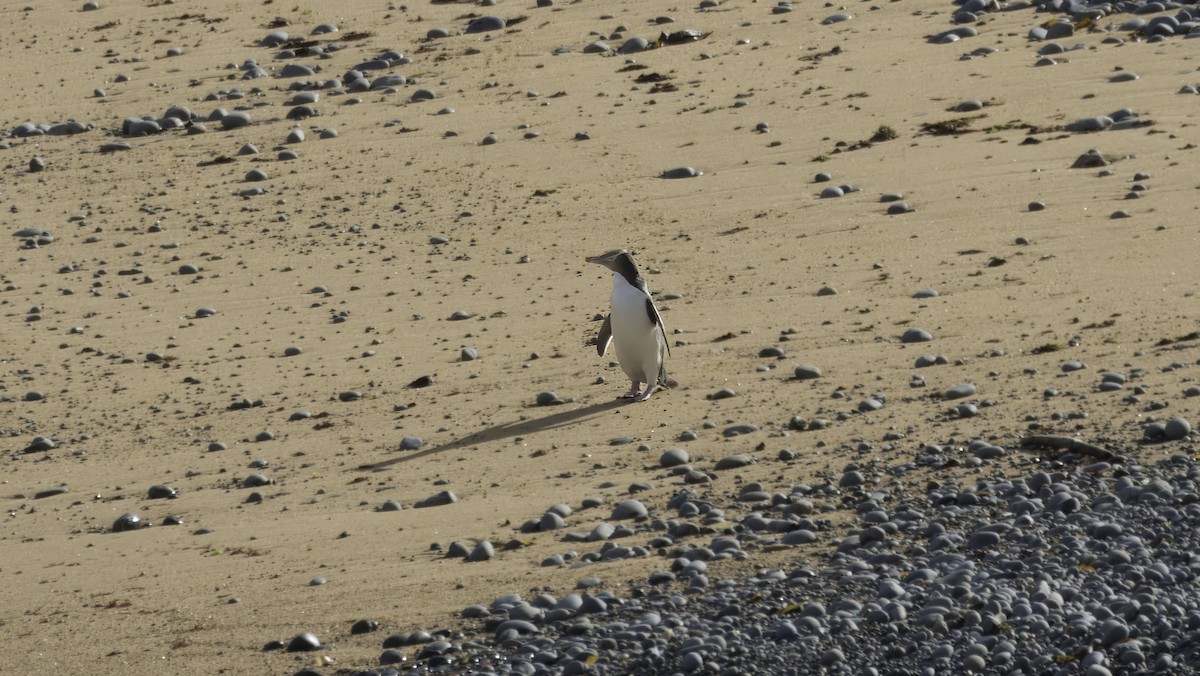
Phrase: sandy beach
x=153 y=293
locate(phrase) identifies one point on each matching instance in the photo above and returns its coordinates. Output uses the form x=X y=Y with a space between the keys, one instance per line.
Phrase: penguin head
x=619 y=261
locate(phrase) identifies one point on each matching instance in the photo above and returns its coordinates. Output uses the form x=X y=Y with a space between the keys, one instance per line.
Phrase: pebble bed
x=1078 y=567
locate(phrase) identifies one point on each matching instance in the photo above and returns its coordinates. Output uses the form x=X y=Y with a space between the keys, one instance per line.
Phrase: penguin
x=634 y=327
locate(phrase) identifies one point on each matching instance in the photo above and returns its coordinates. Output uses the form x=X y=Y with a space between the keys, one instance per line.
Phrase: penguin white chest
x=634 y=334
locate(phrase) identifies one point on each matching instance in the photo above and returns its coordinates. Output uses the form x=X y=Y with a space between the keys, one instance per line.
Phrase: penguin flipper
x=605 y=336
x=656 y=320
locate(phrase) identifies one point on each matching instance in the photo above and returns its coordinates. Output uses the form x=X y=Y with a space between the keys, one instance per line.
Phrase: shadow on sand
x=506 y=430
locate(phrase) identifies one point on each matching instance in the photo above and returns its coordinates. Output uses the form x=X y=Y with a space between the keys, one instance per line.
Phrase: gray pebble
x=161 y=491
x=304 y=642
x=437 y=500
x=128 y=521
x=629 y=509
x=734 y=461
x=256 y=480
x=483 y=551
x=548 y=399
x=807 y=372
x=960 y=391
x=235 y=120
x=1095 y=123
x=682 y=172
x=486 y=23
x=674 y=457
x=1177 y=428
x=915 y=335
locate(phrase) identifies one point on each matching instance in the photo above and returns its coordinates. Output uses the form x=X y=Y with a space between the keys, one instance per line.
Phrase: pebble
x=682 y=172
x=161 y=491
x=1177 y=428
x=734 y=461
x=915 y=335
x=437 y=500
x=127 y=522
x=548 y=399
x=256 y=479
x=486 y=23
x=960 y=391
x=674 y=457
x=483 y=551
x=235 y=120
x=628 y=509
x=807 y=372
x=304 y=642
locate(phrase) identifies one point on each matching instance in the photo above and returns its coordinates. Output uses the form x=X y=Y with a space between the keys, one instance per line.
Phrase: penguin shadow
x=505 y=431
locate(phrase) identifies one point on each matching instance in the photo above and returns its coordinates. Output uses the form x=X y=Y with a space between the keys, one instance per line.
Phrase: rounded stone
x=734 y=461
x=128 y=521
x=629 y=509
x=674 y=457
x=682 y=172
x=161 y=491
x=304 y=642
x=1177 y=428
x=235 y=120
x=915 y=335
x=807 y=372
x=960 y=391
x=486 y=23
x=255 y=480
x=483 y=551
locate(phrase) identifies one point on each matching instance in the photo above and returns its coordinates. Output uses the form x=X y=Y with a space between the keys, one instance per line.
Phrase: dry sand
x=746 y=247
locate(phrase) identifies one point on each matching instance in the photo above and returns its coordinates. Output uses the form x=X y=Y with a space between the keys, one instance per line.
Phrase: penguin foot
x=633 y=391
x=645 y=395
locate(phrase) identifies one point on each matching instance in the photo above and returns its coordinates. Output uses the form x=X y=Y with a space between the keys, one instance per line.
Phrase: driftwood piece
x=1071 y=445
